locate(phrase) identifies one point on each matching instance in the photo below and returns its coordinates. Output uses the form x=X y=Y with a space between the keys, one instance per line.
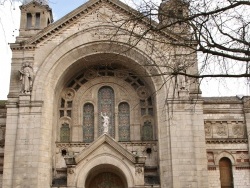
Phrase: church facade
x=90 y=106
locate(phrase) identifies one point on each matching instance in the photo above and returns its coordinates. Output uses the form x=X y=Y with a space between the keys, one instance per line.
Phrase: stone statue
x=105 y=122
x=183 y=82
x=26 y=76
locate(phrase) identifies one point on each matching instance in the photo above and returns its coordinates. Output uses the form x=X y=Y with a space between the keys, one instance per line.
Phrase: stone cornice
x=221 y=100
x=212 y=105
x=22 y=46
x=124 y=144
x=226 y=140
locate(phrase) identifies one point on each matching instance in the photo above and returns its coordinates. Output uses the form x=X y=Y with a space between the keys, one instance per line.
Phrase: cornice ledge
x=22 y=46
x=226 y=140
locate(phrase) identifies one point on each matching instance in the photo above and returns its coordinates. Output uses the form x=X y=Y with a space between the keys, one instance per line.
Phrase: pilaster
x=188 y=147
x=25 y=143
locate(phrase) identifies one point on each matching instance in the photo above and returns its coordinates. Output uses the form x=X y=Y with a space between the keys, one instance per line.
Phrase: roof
x=83 y=10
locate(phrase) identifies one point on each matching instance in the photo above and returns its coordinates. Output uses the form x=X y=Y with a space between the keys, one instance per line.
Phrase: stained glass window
x=124 y=121
x=65 y=133
x=88 y=123
x=106 y=106
x=147 y=131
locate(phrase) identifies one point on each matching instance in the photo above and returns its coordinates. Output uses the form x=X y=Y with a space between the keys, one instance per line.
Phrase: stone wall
x=241 y=178
x=226 y=136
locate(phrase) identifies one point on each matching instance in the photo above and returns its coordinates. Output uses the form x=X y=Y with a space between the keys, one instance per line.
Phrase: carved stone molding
x=226 y=140
x=68 y=94
x=226 y=129
x=143 y=92
x=238 y=130
x=138 y=170
x=221 y=130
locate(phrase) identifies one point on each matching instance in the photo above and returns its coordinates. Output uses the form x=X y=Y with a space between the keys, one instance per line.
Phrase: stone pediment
x=73 y=17
x=106 y=141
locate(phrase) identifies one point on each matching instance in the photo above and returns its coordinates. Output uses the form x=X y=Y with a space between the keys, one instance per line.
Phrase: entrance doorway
x=106 y=176
x=226 y=175
x=106 y=180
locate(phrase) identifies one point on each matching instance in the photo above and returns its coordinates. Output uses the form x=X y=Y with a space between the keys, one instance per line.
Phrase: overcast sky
x=9 y=26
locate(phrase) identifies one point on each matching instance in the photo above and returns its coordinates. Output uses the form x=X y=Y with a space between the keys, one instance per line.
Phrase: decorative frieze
x=242 y=157
x=225 y=129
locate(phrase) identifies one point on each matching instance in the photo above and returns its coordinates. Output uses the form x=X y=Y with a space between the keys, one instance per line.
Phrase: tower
x=44 y=2
x=35 y=16
x=172 y=14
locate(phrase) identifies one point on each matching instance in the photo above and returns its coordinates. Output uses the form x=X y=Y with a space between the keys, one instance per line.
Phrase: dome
x=43 y=2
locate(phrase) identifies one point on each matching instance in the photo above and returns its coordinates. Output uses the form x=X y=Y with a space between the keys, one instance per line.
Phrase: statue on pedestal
x=105 y=123
x=26 y=76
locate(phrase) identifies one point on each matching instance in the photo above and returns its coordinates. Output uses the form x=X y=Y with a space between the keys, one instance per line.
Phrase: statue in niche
x=105 y=123
x=26 y=76
x=183 y=83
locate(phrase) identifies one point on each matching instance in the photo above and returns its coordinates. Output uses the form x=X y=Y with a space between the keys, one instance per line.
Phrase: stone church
x=90 y=105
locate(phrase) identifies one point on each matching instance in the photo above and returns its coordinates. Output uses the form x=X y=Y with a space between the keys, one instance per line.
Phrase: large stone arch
x=61 y=64
x=102 y=174
x=224 y=154
x=123 y=168
x=53 y=74
x=83 y=44
x=53 y=71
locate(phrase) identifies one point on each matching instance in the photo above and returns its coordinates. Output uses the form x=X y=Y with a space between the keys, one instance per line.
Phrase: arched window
x=147 y=131
x=88 y=123
x=226 y=175
x=106 y=106
x=65 y=133
x=124 y=121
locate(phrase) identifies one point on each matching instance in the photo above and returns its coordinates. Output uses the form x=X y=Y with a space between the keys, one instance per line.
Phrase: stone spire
x=43 y=2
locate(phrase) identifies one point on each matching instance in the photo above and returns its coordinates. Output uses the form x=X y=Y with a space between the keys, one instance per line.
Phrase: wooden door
x=226 y=175
x=106 y=180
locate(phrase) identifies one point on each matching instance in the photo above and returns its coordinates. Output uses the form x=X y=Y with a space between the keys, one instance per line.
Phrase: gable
x=105 y=144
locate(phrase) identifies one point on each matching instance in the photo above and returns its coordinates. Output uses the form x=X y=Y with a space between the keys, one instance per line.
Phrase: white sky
x=9 y=26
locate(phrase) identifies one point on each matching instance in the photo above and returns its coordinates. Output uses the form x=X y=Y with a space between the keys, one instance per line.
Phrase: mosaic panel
x=124 y=122
x=88 y=123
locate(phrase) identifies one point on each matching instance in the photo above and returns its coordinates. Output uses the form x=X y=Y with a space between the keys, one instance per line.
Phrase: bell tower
x=35 y=16
x=172 y=15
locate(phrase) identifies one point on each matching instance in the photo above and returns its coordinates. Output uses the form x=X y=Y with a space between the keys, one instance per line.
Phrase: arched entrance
x=106 y=180
x=106 y=176
x=226 y=175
